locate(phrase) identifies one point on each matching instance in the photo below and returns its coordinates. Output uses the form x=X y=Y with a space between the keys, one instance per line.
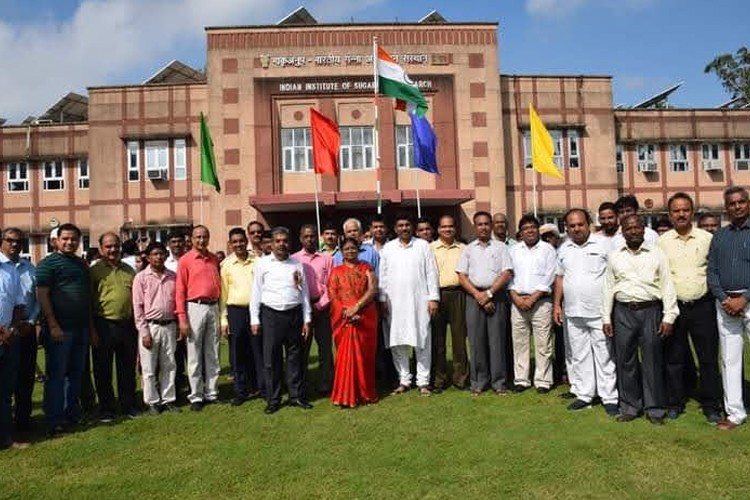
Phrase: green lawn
x=445 y=446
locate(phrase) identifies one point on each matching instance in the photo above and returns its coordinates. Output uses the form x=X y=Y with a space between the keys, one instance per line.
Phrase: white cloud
x=105 y=40
x=562 y=8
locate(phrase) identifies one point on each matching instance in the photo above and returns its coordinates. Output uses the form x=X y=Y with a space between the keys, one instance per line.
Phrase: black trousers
x=27 y=347
x=698 y=320
x=246 y=353
x=88 y=393
x=118 y=341
x=180 y=359
x=282 y=331
x=640 y=382
x=321 y=324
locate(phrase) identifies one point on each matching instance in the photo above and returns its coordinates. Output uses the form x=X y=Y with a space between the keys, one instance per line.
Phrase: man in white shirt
x=534 y=263
x=628 y=205
x=411 y=294
x=581 y=263
x=280 y=304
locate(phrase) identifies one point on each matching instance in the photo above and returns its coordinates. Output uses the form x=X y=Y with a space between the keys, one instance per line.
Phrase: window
x=83 y=173
x=710 y=151
x=18 y=177
x=619 y=158
x=180 y=159
x=134 y=162
x=647 y=158
x=557 y=137
x=742 y=156
x=53 y=176
x=357 y=148
x=296 y=149
x=404 y=147
x=678 y=160
x=157 y=159
x=574 y=159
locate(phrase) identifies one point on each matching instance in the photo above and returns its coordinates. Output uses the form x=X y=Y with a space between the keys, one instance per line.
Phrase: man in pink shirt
x=197 y=304
x=154 y=311
x=317 y=266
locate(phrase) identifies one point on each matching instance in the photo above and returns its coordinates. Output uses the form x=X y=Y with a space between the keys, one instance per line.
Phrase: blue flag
x=425 y=144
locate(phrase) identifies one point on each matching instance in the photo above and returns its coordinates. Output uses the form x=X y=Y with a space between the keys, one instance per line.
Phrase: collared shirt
x=197 y=279
x=367 y=253
x=446 y=258
x=729 y=261
x=112 y=290
x=153 y=297
x=67 y=278
x=324 y=249
x=509 y=242
x=317 y=268
x=130 y=261
x=171 y=262
x=688 y=261
x=27 y=273
x=371 y=241
x=650 y=237
x=639 y=276
x=482 y=262
x=533 y=267
x=608 y=241
x=582 y=268
x=236 y=283
x=280 y=285
x=11 y=293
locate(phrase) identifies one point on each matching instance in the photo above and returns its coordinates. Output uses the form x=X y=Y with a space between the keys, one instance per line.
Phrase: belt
x=692 y=303
x=637 y=306
x=454 y=288
x=205 y=302
x=161 y=322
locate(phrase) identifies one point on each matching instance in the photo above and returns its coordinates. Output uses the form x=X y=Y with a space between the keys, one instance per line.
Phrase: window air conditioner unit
x=742 y=164
x=711 y=165
x=156 y=174
x=647 y=166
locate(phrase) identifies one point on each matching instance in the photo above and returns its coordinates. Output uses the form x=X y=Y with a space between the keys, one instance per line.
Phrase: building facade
x=128 y=157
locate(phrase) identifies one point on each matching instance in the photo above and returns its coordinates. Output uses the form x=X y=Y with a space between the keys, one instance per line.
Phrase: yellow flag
x=542 y=147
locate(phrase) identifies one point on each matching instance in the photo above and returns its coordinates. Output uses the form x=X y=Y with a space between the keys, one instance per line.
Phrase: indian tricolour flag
x=394 y=82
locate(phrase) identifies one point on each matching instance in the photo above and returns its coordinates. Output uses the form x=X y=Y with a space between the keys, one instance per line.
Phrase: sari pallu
x=356 y=341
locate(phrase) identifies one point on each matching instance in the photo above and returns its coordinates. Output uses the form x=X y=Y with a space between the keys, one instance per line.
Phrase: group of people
x=609 y=311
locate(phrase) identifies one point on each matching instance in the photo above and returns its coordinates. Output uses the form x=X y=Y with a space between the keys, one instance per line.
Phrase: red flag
x=326 y=140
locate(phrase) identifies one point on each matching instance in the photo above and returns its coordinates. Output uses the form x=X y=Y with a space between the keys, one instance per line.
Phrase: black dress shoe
x=271 y=408
x=300 y=403
x=238 y=400
x=656 y=420
x=197 y=406
x=626 y=417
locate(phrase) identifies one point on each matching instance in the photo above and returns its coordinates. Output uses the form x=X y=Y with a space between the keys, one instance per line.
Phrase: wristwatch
x=489 y=293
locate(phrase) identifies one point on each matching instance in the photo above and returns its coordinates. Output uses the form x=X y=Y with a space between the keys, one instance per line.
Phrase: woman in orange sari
x=354 y=320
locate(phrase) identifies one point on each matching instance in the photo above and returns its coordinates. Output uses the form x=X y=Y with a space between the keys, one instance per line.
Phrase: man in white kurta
x=410 y=291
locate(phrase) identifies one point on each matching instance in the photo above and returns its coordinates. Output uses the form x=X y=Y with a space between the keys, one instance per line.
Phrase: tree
x=734 y=72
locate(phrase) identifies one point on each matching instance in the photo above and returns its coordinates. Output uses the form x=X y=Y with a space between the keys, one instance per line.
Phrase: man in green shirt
x=112 y=305
x=65 y=300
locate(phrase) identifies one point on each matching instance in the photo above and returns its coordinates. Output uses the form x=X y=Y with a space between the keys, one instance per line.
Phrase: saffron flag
x=326 y=141
x=425 y=144
x=394 y=82
x=542 y=147
x=208 y=160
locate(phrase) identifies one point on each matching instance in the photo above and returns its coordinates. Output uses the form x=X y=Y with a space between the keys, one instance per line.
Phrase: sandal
x=425 y=391
x=399 y=390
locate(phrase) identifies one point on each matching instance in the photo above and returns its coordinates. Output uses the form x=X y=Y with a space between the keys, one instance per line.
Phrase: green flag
x=208 y=160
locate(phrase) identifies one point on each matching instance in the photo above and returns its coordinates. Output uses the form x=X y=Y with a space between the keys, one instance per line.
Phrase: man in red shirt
x=197 y=305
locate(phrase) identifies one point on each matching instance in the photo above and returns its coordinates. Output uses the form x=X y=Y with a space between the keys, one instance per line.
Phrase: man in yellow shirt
x=237 y=274
x=687 y=248
x=451 y=311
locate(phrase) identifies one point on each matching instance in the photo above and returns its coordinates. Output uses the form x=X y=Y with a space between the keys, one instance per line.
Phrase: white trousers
x=203 y=352
x=593 y=370
x=401 y=354
x=731 y=332
x=161 y=357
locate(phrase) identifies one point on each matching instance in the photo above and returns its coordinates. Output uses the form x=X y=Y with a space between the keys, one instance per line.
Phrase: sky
x=51 y=47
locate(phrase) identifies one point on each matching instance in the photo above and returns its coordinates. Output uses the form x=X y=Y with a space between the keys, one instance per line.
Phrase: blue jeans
x=64 y=371
x=8 y=373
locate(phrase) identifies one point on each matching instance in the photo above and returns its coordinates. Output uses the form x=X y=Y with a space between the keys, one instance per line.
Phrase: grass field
x=446 y=446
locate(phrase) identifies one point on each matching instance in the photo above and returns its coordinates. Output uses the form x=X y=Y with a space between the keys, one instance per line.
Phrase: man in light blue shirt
x=10 y=253
x=11 y=312
x=367 y=253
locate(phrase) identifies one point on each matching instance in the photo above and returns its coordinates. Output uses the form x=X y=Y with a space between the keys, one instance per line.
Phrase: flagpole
x=317 y=205
x=533 y=183
x=201 y=203
x=376 y=132
x=416 y=185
